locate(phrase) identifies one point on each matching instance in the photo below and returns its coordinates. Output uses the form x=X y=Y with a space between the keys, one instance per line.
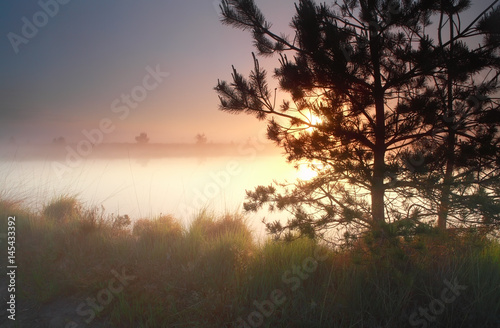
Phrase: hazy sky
x=70 y=73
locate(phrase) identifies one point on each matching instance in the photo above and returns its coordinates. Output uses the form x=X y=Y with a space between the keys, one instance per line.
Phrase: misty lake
x=144 y=187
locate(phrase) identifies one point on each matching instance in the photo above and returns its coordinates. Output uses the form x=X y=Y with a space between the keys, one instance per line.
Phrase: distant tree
x=59 y=141
x=142 y=138
x=121 y=221
x=201 y=139
x=366 y=82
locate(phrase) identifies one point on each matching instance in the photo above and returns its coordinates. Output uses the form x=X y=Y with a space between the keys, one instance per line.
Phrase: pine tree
x=461 y=160
x=364 y=79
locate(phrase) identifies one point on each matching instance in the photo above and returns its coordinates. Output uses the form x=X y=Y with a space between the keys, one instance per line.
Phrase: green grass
x=214 y=274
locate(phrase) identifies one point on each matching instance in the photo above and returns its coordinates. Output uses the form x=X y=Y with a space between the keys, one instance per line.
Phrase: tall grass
x=214 y=274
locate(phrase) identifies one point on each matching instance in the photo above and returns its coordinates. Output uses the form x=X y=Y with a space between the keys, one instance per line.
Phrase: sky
x=70 y=73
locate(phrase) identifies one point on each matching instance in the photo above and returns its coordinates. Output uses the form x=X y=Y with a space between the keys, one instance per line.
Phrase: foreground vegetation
x=155 y=273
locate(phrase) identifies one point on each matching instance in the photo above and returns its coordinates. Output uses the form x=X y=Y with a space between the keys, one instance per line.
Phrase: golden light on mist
x=305 y=172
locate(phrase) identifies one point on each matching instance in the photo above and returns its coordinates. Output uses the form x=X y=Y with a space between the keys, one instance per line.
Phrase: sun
x=305 y=172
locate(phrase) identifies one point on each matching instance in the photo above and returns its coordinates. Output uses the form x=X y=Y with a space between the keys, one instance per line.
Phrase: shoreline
x=139 y=151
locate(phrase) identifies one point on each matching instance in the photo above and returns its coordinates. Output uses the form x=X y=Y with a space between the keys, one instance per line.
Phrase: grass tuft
x=62 y=209
x=163 y=227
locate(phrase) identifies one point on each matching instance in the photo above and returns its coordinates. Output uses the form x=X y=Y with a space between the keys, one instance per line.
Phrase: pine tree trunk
x=378 y=188
x=444 y=202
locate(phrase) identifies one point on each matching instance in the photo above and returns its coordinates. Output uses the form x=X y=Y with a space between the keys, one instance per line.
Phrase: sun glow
x=314 y=120
x=308 y=171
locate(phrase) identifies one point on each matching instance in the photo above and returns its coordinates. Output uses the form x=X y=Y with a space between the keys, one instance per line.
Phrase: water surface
x=147 y=187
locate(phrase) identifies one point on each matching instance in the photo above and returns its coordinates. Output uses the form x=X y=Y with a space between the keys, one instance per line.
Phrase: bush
x=163 y=227
x=209 y=228
x=63 y=209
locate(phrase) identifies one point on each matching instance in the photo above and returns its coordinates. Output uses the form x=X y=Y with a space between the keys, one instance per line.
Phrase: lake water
x=148 y=187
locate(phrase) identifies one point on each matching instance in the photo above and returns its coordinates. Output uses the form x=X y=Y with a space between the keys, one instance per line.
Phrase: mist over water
x=145 y=187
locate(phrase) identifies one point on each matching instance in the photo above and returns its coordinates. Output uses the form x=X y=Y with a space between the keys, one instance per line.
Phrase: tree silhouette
x=59 y=141
x=365 y=80
x=460 y=161
x=142 y=138
x=201 y=139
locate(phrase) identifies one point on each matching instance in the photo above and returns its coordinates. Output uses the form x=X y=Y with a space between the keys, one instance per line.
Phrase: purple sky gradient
x=66 y=77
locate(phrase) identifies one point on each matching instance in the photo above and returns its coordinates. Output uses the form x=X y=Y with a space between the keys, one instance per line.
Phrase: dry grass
x=214 y=275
